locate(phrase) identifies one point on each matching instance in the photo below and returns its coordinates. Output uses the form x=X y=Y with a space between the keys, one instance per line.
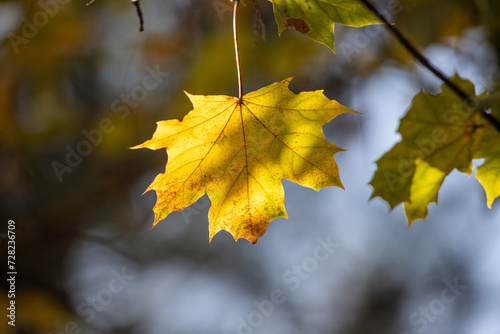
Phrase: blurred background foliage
x=65 y=68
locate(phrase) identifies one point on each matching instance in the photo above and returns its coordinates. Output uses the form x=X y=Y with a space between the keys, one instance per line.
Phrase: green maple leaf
x=316 y=18
x=239 y=151
x=488 y=173
x=439 y=133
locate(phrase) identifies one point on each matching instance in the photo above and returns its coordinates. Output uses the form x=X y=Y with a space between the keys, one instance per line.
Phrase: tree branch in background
x=139 y=14
x=426 y=63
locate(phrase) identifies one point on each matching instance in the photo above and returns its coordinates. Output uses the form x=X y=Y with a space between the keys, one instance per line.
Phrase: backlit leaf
x=439 y=133
x=315 y=18
x=238 y=152
x=488 y=173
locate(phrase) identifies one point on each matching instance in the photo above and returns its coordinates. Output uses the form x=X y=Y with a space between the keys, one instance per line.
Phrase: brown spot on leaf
x=298 y=24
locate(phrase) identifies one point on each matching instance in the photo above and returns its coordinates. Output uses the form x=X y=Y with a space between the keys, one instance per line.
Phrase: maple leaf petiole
x=236 y=48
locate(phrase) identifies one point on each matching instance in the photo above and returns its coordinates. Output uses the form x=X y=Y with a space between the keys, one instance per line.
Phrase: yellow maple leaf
x=238 y=152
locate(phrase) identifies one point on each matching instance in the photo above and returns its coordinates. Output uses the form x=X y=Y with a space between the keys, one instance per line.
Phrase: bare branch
x=426 y=63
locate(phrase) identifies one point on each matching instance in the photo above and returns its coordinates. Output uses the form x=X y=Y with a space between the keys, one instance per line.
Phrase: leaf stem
x=236 y=48
x=426 y=63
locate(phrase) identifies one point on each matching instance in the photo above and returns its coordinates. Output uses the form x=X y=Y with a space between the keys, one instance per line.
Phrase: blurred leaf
x=443 y=18
x=489 y=172
x=439 y=134
x=239 y=151
x=315 y=19
x=7 y=94
x=38 y=312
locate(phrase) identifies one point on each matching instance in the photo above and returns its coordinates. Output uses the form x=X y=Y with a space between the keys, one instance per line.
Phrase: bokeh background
x=86 y=258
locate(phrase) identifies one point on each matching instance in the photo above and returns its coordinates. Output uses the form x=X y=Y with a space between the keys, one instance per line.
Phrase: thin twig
x=137 y=5
x=236 y=49
x=139 y=14
x=426 y=63
x=491 y=119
